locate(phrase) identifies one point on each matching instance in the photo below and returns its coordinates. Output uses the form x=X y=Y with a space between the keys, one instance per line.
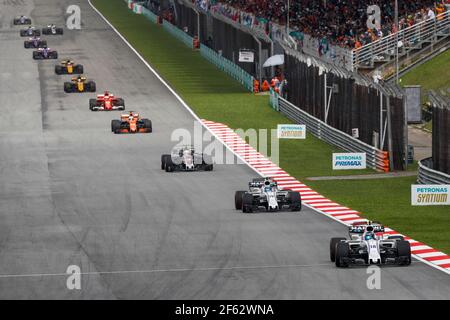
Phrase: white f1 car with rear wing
x=368 y=245
x=51 y=29
x=264 y=193
x=186 y=158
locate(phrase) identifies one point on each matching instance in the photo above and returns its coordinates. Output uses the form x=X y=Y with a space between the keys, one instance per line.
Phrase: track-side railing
x=228 y=67
x=385 y=48
x=427 y=175
x=376 y=159
x=178 y=33
x=219 y=61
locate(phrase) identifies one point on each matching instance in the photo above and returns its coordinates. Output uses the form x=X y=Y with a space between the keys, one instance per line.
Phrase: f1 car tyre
x=342 y=251
x=79 y=69
x=164 y=161
x=58 y=69
x=148 y=124
x=92 y=104
x=247 y=203
x=333 y=244
x=91 y=86
x=238 y=199
x=68 y=87
x=115 y=126
x=169 y=164
x=121 y=102
x=207 y=160
x=404 y=252
x=296 y=203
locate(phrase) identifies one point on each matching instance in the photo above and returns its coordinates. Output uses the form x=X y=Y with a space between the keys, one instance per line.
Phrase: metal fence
x=427 y=175
x=376 y=159
x=410 y=37
x=226 y=36
x=349 y=102
x=218 y=60
x=441 y=132
x=228 y=67
x=179 y=34
x=149 y=15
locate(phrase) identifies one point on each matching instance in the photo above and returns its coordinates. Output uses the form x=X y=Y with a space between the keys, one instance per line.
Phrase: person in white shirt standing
x=431 y=14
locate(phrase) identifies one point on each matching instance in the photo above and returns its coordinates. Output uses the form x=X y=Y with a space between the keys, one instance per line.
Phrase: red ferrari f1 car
x=106 y=102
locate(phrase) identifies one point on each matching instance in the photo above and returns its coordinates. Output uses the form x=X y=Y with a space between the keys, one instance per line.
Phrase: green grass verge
x=434 y=74
x=217 y=97
x=389 y=201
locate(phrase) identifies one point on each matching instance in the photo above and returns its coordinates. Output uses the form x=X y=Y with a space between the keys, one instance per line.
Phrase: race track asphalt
x=73 y=193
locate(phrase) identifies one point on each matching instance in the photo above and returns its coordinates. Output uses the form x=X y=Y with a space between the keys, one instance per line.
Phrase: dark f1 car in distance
x=69 y=67
x=368 y=245
x=51 y=29
x=45 y=53
x=22 y=20
x=79 y=84
x=106 y=102
x=131 y=123
x=186 y=159
x=30 y=32
x=34 y=42
x=265 y=194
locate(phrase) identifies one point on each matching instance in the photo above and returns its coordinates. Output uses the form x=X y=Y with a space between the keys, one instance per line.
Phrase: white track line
x=32 y=275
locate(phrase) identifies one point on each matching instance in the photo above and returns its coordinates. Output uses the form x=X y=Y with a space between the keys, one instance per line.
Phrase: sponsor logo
x=347 y=161
x=291 y=131
x=430 y=195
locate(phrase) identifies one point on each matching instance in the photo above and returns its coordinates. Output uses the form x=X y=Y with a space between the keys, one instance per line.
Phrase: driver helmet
x=369 y=236
x=106 y=94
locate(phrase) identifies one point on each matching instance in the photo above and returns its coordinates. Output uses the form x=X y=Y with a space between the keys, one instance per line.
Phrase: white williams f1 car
x=264 y=193
x=367 y=247
x=51 y=29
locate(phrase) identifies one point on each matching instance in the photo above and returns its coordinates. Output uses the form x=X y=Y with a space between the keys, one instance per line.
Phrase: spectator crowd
x=340 y=22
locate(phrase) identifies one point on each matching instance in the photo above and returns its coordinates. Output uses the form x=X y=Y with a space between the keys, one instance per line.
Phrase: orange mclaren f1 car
x=106 y=102
x=131 y=123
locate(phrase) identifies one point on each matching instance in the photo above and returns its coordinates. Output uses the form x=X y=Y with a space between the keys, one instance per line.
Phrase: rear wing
x=360 y=229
